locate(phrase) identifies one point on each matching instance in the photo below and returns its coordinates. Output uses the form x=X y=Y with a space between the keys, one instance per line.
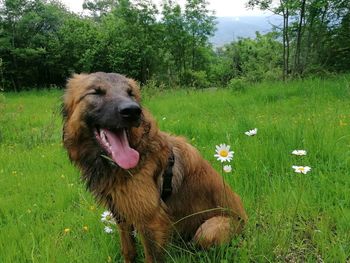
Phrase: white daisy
x=107 y=217
x=108 y=229
x=301 y=169
x=251 y=132
x=227 y=168
x=223 y=153
x=299 y=152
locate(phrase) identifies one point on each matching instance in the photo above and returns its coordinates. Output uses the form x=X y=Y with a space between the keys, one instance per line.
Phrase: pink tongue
x=122 y=154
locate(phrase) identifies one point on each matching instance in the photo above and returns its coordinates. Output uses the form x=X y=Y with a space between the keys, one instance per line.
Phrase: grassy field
x=47 y=216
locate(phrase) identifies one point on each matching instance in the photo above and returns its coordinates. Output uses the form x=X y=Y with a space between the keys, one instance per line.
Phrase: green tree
x=99 y=8
x=175 y=41
x=129 y=42
x=200 y=25
x=251 y=59
x=27 y=28
x=315 y=31
x=284 y=8
x=73 y=48
x=338 y=45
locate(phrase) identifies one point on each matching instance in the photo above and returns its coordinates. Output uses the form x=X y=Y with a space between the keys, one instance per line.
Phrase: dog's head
x=100 y=110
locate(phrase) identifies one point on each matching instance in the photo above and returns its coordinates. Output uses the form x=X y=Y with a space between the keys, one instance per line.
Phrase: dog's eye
x=130 y=93
x=98 y=91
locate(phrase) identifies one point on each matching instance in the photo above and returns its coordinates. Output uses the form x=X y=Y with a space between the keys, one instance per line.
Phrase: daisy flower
x=107 y=217
x=251 y=132
x=223 y=153
x=108 y=230
x=301 y=169
x=299 y=152
x=227 y=168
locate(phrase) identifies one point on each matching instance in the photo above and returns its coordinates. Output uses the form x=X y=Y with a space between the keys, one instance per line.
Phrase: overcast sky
x=221 y=7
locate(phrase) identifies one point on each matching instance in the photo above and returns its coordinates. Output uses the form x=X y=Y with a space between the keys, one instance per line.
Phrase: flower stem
x=223 y=185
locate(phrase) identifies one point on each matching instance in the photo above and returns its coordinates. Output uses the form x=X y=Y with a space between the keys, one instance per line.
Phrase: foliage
x=196 y=79
x=99 y=8
x=186 y=41
x=42 y=43
x=254 y=59
x=73 y=48
x=315 y=34
x=27 y=27
x=129 y=41
x=237 y=84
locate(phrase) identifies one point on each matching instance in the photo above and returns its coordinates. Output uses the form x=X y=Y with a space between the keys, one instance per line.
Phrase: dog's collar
x=167 y=178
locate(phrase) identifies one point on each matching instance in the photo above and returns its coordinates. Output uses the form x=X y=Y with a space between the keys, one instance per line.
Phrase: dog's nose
x=130 y=111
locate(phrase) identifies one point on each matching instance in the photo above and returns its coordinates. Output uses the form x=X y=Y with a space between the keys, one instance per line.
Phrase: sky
x=221 y=7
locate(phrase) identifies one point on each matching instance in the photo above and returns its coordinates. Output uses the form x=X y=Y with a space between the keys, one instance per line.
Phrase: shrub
x=196 y=79
x=237 y=84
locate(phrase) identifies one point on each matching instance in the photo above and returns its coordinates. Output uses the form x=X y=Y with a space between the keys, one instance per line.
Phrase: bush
x=196 y=79
x=152 y=87
x=237 y=84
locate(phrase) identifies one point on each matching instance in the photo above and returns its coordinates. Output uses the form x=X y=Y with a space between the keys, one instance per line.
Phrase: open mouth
x=116 y=144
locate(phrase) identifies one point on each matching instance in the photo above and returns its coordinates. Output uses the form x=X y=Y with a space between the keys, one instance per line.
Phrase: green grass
x=292 y=217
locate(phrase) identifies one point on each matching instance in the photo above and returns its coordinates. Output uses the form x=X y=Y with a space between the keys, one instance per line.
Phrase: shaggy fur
x=201 y=207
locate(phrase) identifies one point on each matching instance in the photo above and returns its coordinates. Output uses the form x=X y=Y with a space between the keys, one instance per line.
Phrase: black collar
x=167 y=178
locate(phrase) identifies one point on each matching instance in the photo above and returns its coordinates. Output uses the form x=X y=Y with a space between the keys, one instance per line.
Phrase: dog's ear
x=75 y=85
x=135 y=89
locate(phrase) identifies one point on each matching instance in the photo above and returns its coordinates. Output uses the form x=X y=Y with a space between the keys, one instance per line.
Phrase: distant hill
x=231 y=28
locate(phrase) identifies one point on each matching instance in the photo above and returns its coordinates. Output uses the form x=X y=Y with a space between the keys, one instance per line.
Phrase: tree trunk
x=284 y=45
x=297 y=69
x=287 y=39
x=309 y=38
x=284 y=38
x=320 y=37
x=193 y=51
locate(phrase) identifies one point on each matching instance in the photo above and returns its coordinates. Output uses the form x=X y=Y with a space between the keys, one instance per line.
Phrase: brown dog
x=153 y=182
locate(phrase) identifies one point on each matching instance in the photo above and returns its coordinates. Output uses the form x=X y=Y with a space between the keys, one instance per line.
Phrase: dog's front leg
x=155 y=234
x=127 y=242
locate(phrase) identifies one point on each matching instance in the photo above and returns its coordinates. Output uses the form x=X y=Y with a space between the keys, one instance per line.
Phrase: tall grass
x=292 y=217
